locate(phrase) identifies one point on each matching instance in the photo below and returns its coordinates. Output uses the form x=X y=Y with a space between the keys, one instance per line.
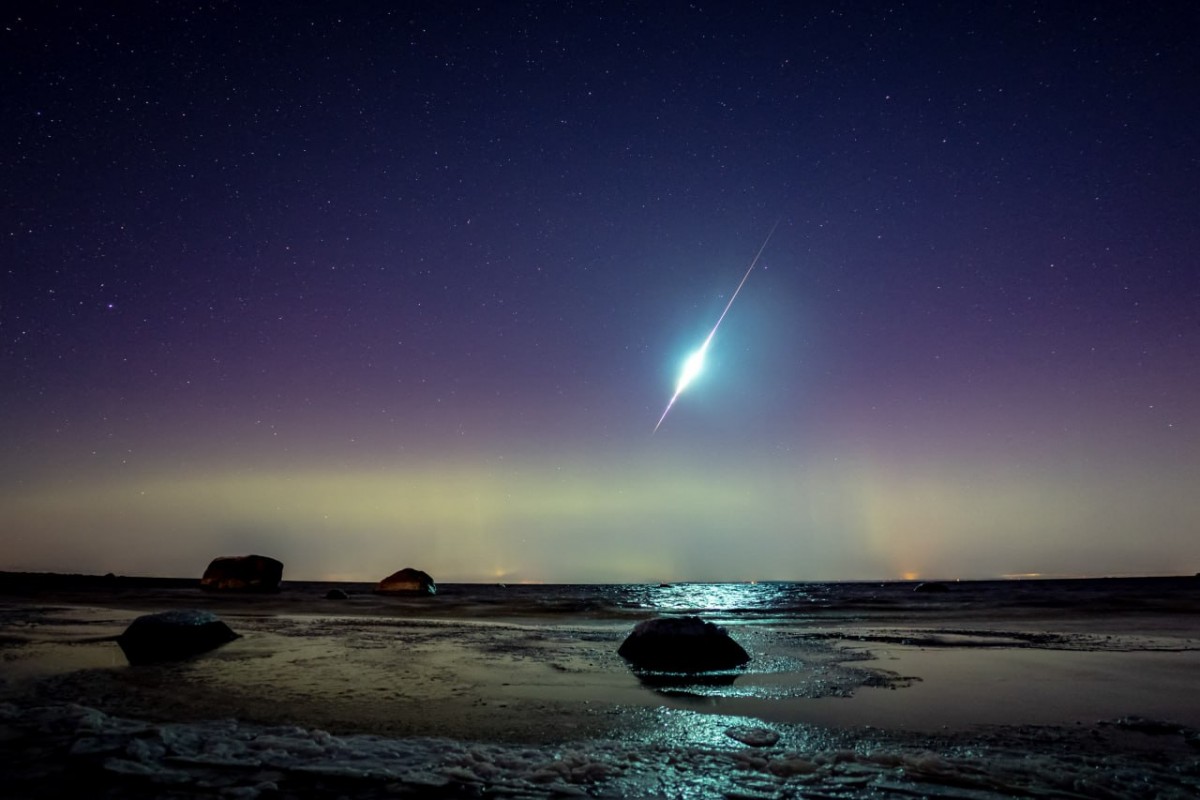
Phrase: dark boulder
x=173 y=635
x=681 y=644
x=932 y=587
x=407 y=581
x=336 y=594
x=243 y=574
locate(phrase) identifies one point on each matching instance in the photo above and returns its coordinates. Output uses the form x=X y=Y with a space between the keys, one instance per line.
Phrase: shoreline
x=855 y=696
x=928 y=674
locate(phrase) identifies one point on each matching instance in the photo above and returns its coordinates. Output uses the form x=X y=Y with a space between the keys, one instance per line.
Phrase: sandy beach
x=861 y=705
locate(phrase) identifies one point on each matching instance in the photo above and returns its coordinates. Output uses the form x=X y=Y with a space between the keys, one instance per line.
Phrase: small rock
x=933 y=587
x=755 y=737
x=407 y=581
x=243 y=574
x=173 y=635
x=336 y=594
x=681 y=644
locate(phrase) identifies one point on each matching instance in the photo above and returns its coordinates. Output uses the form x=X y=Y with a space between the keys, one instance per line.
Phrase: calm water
x=769 y=602
x=801 y=601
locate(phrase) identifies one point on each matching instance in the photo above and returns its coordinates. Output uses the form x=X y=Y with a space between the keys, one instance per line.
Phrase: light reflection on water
x=702 y=598
x=745 y=601
x=761 y=602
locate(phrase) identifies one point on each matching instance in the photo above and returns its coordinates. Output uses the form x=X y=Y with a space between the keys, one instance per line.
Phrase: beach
x=1047 y=689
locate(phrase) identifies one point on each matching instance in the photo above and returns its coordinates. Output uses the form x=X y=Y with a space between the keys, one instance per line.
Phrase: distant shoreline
x=22 y=582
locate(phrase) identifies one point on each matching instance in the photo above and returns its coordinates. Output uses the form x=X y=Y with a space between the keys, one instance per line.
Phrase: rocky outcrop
x=681 y=644
x=932 y=587
x=243 y=574
x=336 y=594
x=173 y=635
x=407 y=581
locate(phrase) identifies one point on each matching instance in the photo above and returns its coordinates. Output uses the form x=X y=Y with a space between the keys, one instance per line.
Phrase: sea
x=977 y=690
x=740 y=602
x=811 y=601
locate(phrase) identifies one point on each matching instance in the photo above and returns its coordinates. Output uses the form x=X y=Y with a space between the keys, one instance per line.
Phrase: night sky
x=370 y=288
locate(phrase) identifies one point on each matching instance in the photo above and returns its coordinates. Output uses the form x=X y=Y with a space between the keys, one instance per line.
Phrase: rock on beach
x=243 y=574
x=173 y=635
x=755 y=737
x=407 y=581
x=681 y=644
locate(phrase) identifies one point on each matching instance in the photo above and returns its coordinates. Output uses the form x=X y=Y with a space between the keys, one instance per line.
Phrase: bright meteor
x=695 y=362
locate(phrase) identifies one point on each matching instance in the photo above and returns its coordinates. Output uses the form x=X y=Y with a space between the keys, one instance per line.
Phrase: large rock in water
x=407 y=581
x=243 y=574
x=681 y=644
x=173 y=635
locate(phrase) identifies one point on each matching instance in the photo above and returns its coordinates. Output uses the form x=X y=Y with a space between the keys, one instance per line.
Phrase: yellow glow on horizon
x=586 y=520
x=471 y=522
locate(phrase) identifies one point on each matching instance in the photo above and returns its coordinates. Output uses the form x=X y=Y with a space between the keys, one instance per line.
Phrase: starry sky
x=375 y=287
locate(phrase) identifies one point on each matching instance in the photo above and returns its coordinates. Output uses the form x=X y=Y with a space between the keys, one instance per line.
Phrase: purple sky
x=366 y=289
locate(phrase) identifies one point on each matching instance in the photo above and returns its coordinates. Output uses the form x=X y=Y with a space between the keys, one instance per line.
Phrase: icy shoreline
x=124 y=757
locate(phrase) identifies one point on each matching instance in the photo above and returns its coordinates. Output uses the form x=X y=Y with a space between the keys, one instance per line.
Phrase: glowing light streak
x=695 y=362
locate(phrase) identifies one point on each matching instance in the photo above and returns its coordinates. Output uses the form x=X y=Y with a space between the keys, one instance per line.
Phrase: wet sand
x=404 y=669
x=538 y=681
x=547 y=680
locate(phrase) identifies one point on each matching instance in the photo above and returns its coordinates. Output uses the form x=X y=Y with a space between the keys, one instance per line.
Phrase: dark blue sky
x=462 y=247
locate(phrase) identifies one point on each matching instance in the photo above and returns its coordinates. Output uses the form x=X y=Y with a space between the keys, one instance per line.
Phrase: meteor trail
x=695 y=362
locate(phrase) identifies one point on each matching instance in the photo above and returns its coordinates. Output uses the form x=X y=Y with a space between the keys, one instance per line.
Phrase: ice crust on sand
x=246 y=761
